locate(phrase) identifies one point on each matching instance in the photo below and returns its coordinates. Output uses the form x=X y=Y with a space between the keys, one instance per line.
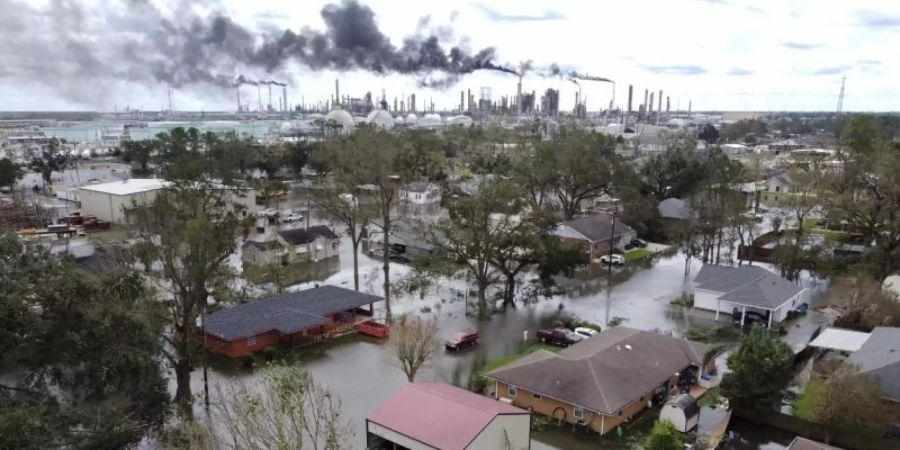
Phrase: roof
x=595 y=228
x=747 y=285
x=685 y=403
x=606 y=372
x=673 y=208
x=840 y=339
x=128 y=187
x=263 y=245
x=439 y=415
x=418 y=186
x=286 y=313
x=879 y=357
x=801 y=443
x=299 y=236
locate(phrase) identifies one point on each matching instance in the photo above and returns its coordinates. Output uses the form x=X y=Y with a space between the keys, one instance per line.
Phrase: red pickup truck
x=562 y=337
x=462 y=340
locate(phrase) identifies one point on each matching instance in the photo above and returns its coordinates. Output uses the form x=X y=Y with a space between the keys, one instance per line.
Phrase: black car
x=750 y=318
x=638 y=243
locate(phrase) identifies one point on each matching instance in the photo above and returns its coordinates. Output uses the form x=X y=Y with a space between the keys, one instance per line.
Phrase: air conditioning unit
x=508 y=401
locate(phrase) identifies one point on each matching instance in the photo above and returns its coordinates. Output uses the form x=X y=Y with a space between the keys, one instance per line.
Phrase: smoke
x=139 y=42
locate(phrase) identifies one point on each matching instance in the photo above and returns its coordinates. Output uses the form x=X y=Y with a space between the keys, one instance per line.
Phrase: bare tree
x=863 y=303
x=339 y=200
x=414 y=341
x=289 y=411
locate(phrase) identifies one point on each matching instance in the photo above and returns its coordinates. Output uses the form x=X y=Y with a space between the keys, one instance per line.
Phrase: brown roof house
x=292 y=246
x=603 y=381
x=593 y=233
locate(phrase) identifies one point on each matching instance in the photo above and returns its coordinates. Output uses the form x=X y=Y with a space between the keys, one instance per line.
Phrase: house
x=112 y=201
x=293 y=317
x=879 y=358
x=292 y=246
x=421 y=193
x=682 y=411
x=593 y=233
x=429 y=416
x=801 y=443
x=779 y=183
x=406 y=234
x=603 y=381
x=746 y=289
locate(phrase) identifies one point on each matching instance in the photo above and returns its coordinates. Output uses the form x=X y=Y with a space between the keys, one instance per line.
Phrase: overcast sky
x=720 y=54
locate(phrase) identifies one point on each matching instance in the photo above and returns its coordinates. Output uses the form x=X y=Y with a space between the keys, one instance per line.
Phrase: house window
x=579 y=413
x=512 y=390
x=536 y=396
x=777 y=188
x=251 y=341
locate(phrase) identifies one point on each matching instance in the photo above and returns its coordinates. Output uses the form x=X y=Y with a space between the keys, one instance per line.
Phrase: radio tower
x=841 y=97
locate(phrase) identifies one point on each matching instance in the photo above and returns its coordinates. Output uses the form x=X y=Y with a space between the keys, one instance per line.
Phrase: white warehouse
x=109 y=201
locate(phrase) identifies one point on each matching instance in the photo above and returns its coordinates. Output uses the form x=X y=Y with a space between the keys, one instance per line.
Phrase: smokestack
x=462 y=100
x=284 y=98
x=659 y=108
x=237 y=90
x=519 y=96
x=469 y=99
x=395 y=104
x=689 y=109
x=646 y=104
x=412 y=103
x=270 y=97
x=258 y=98
x=668 y=104
x=650 y=108
x=630 y=94
x=337 y=91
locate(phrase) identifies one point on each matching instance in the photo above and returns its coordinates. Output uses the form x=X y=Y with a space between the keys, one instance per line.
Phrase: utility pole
x=840 y=107
x=612 y=236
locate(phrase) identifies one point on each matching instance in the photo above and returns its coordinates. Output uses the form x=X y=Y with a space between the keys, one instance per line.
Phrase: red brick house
x=293 y=317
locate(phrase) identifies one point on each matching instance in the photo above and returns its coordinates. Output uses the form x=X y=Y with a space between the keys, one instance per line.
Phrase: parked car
x=638 y=243
x=292 y=217
x=751 y=317
x=462 y=340
x=616 y=260
x=585 y=331
x=562 y=337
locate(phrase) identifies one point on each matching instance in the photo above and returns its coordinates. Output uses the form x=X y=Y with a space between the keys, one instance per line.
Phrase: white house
x=745 y=289
x=291 y=246
x=421 y=193
x=780 y=183
x=428 y=416
x=110 y=201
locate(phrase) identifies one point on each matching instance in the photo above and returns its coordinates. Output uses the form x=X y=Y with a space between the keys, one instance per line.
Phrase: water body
x=95 y=132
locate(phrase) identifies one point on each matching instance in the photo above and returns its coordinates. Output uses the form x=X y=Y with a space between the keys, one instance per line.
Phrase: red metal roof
x=439 y=415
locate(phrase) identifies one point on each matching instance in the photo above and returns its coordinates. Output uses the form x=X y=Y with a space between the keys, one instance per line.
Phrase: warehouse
x=111 y=201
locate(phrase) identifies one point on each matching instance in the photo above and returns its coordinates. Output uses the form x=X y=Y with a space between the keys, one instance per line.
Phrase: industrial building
x=111 y=201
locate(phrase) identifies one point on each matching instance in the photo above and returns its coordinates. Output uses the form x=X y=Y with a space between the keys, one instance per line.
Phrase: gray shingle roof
x=687 y=404
x=597 y=227
x=747 y=285
x=286 y=313
x=879 y=357
x=303 y=236
x=418 y=186
x=801 y=443
x=601 y=373
x=673 y=208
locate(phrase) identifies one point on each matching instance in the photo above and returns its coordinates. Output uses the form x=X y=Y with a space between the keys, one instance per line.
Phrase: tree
x=534 y=176
x=663 y=436
x=81 y=354
x=189 y=233
x=708 y=133
x=743 y=129
x=371 y=157
x=806 y=178
x=52 y=159
x=10 y=173
x=844 y=398
x=139 y=153
x=296 y=155
x=676 y=172
x=760 y=371
x=583 y=164
x=414 y=342
x=339 y=200
x=863 y=303
x=290 y=411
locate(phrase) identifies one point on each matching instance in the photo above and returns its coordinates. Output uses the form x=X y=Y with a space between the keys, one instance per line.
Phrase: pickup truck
x=562 y=337
x=462 y=340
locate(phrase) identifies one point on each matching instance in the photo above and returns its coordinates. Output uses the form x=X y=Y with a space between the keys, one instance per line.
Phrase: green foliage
x=718 y=333
x=84 y=354
x=616 y=321
x=558 y=258
x=139 y=153
x=539 y=422
x=10 y=173
x=743 y=129
x=572 y=322
x=664 y=436
x=760 y=371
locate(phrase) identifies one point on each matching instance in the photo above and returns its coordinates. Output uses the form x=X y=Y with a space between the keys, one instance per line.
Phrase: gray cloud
x=738 y=71
x=834 y=70
x=83 y=49
x=497 y=16
x=802 y=45
x=877 y=19
x=676 y=70
x=869 y=62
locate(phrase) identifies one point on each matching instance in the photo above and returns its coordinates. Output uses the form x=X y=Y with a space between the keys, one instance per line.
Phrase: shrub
x=684 y=300
x=539 y=422
x=616 y=321
x=247 y=361
x=572 y=323
x=270 y=353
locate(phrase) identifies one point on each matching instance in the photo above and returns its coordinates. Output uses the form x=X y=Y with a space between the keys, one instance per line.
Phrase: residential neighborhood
x=360 y=225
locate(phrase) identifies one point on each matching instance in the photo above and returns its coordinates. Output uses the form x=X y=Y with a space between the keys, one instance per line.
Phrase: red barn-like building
x=293 y=317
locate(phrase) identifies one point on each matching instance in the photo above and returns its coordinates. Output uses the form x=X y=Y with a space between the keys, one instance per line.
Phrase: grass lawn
x=636 y=254
x=491 y=365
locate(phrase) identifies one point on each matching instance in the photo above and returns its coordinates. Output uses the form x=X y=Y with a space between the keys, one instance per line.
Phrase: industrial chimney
x=650 y=105
x=668 y=104
x=237 y=90
x=337 y=91
x=284 y=98
x=659 y=109
x=646 y=100
x=630 y=94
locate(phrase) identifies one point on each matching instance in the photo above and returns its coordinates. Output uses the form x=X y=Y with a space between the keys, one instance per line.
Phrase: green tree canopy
x=663 y=436
x=760 y=371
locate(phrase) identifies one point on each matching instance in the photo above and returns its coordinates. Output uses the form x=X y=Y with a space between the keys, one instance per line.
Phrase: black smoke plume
x=67 y=41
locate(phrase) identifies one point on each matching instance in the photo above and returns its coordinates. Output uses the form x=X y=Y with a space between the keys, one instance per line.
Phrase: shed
x=840 y=340
x=683 y=411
